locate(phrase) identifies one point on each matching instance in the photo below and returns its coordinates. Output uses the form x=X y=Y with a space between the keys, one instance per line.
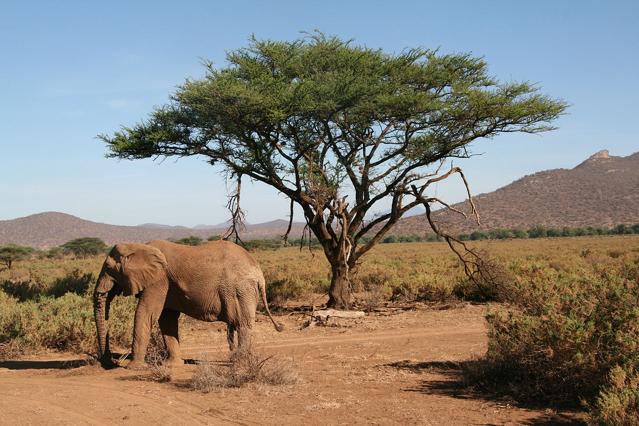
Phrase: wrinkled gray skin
x=217 y=281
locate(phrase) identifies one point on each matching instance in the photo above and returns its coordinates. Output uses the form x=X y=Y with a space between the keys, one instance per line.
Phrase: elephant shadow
x=64 y=364
x=69 y=364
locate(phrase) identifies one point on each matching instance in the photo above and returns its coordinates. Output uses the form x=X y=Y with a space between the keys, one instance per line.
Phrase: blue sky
x=70 y=70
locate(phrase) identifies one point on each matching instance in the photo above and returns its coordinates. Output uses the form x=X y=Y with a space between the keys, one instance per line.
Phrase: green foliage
x=12 y=253
x=478 y=235
x=75 y=282
x=390 y=239
x=64 y=323
x=567 y=330
x=618 y=402
x=214 y=238
x=264 y=244
x=320 y=117
x=33 y=289
x=24 y=290
x=54 y=253
x=190 y=241
x=292 y=85
x=84 y=247
x=280 y=290
x=537 y=232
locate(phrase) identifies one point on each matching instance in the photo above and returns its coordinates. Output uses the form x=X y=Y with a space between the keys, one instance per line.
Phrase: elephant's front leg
x=169 y=327
x=146 y=314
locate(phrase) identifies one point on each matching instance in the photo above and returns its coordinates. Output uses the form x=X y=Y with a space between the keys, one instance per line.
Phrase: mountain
x=160 y=226
x=601 y=191
x=51 y=229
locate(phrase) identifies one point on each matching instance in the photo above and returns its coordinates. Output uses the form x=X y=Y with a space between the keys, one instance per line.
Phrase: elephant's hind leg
x=244 y=337
x=230 y=336
x=168 y=322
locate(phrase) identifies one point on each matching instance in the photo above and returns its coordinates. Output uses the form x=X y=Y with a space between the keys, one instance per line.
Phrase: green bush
x=190 y=241
x=537 y=232
x=23 y=290
x=618 y=402
x=64 y=323
x=34 y=288
x=74 y=282
x=281 y=290
x=566 y=331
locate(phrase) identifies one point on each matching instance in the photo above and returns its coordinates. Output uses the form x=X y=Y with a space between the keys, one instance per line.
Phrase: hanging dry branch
x=238 y=221
x=290 y=224
x=475 y=267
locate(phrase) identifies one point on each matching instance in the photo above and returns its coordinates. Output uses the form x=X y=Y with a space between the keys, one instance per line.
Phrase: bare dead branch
x=474 y=265
x=290 y=224
x=238 y=221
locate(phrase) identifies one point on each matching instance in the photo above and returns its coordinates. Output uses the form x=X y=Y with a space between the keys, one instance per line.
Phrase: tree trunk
x=340 y=291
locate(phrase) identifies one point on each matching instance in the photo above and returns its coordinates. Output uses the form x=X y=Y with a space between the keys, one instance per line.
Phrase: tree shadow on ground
x=454 y=384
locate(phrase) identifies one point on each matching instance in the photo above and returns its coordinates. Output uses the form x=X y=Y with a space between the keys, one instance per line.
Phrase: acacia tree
x=12 y=253
x=339 y=129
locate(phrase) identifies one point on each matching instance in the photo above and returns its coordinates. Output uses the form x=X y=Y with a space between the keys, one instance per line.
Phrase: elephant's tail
x=261 y=286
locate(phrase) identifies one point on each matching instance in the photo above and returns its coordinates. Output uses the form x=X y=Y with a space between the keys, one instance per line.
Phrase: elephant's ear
x=140 y=265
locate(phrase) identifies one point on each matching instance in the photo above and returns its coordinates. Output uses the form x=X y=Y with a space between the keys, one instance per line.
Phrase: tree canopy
x=12 y=253
x=321 y=119
x=86 y=246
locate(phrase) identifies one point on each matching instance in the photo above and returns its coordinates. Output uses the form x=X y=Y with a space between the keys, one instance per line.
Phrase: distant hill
x=601 y=191
x=51 y=229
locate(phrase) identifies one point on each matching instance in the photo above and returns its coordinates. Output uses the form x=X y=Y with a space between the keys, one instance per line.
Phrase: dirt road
x=383 y=369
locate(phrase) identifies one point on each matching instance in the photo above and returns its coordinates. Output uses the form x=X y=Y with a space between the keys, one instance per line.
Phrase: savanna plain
x=551 y=338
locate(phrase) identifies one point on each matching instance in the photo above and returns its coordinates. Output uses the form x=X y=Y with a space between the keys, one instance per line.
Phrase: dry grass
x=156 y=354
x=31 y=319
x=245 y=366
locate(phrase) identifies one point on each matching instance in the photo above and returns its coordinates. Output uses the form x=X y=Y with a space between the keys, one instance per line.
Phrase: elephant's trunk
x=102 y=297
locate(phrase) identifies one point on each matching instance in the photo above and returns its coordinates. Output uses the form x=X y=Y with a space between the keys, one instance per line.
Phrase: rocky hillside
x=601 y=191
x=52 y=229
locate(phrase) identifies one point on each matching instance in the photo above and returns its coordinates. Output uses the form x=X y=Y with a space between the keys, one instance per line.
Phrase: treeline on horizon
x=91 y=246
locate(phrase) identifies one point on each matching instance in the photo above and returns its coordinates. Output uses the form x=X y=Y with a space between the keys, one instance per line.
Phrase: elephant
x=216 y=281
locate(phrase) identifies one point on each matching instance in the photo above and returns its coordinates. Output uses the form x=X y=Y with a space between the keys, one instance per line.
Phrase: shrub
x=537 y=232
x=390 y=239
x=54 y=253
x=280 y=290
x=245 y=366
x=23 y=290
x=519 y=233
x=566 y=332
x=64 y=323
x=478 y=235
x=34 y=288
x=493 y=283
x=190 y=241
x=618 y=402
x=74 y=282
x=551 y=232
x=156 y=354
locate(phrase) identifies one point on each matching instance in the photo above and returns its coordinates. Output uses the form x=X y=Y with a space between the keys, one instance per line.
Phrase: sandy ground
x=396 y=367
